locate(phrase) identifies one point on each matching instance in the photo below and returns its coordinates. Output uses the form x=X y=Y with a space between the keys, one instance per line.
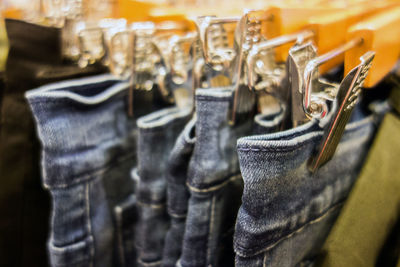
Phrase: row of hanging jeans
x=166 y=186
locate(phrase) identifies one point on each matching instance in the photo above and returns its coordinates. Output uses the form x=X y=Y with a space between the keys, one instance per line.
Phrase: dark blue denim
x=286 y=211
x=214 y=182
x=178 y=193
x=157 y=135
x=88 y=149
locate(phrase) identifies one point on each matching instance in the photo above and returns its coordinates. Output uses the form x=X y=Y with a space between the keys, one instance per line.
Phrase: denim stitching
x=213 y=188
x=265 y=260
x=121 y=253
x=89 y=223
x=149 y=263
x=210 y=229
x=154 y=206
x=89 y=175
x=176 y=215
x=294 y=232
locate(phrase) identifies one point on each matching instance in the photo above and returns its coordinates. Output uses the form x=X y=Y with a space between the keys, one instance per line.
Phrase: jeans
x=178 y=193
x=157 y=135
x=88 y=150
x=214 y=182
x=286 y=211
x=34 y=59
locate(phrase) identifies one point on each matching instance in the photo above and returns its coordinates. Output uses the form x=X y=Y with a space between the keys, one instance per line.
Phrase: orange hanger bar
x=330 y=25
x=381 y=34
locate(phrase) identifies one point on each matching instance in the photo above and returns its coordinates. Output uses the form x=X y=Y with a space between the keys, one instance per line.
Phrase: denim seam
x=89 y=175
x=57 y=99
x=273 y=149
x=212 y=99
x=210 y=230
x=154 y=206
x=149 y=263
x=120 y=237
x=213 y=188
x=265 y=260
x=176 y=215
x=89 y=223
x=294 y=232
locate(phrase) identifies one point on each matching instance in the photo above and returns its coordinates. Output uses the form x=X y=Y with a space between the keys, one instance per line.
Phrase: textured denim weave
x=157 y=135
x=178 y=193
x=214 y=182
x=88 y=148
x=287 y=212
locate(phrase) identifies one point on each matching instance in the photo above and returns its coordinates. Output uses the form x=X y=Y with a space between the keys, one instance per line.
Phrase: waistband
x=83 y=127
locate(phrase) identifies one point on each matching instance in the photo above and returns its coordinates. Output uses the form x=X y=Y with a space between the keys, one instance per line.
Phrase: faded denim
x=88 y=149
x=286 y=211
x=157 y=135
x=178 y=193
x=214 y=182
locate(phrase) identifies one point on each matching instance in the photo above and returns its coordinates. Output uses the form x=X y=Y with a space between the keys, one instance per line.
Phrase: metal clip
x=145 y=56
x=91 y=46
x=264 y=73
x=214 y=41
x=247 y=35
x=315 y=98
x=121 y=53
x=347 y=97
x=299 y=56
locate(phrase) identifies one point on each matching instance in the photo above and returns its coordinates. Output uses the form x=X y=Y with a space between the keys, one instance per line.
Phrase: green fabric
x=3 y=45
x=372 y=208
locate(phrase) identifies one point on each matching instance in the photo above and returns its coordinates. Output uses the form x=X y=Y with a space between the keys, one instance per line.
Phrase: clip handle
x=380 y=33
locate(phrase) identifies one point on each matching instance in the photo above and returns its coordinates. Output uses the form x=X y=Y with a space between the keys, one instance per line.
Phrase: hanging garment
x=178 y=193
x=88 y=150
x=157 y=133
x=214 y=181
x=287 y=212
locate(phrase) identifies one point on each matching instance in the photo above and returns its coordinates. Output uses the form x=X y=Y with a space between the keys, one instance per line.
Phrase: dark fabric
x=34 y=59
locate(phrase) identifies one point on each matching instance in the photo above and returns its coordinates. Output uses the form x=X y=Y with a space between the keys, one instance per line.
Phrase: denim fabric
x=88 y=149
x=287 y=212
x=157 y=135
x=178 y=193
x=214 y=182
x=34 y=59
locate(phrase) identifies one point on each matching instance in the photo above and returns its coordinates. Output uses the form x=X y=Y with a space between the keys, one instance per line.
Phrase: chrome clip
x=248 y=35
x=213 y=47
x=91 y=46
x=145 y=57
x=315 y=98
x=214 y=41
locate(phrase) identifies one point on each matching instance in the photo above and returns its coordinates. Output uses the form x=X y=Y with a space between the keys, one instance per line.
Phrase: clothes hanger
x=361 y=46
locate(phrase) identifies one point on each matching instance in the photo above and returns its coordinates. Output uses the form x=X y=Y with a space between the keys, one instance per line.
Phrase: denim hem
x=160 y=119
x=79 y=252
x=176 y=215
x=40 y=95
x=295 y=136
x=239 y=250
x=215 y=186
x=155 y=263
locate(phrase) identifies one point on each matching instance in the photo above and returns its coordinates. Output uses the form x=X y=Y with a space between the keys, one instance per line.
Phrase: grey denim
x=88 y=149
x=157 y=135
x=214 y=182
x=286 y=211
x=178 y=193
